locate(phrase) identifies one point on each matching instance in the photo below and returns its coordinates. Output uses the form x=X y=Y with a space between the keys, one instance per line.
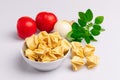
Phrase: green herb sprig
x=85 y=29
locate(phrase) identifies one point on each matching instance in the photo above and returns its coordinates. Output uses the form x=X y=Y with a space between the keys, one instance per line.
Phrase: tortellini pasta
x=32 y=42
x=77 y=49
x=30 y=54
x=92 y=61
x=46 y=47
x=88 y=50
x=77 y=63
x=83 y=55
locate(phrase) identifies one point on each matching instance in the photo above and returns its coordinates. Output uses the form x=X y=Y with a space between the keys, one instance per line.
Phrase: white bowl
x=44 y=66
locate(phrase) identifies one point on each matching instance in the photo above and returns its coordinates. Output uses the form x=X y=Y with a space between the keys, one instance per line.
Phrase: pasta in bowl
x=45 y=51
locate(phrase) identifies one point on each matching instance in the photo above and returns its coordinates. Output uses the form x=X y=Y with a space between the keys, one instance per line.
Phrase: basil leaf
x=98 y=27
x=87 y=39
x=87 y=33
x=82 y=16
x=89 y=15
x=76 y=34
x=78 y=39
x=81 y=22
x=75 y=26
x=92 y=38
x=95 y=32
x=99 y=19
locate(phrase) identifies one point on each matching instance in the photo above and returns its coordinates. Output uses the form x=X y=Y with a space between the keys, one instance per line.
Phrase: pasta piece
x=89 y=50
x=43 y=35
x=77 y=49
x=45 y=58
x=48 y=57
x=55 y=39
x=52 y=56
x=31 y=55
x=39 y=51
x=76 y=45
x=92 y=61
x=36 y=40
x=66 y=45
x=77 y=63
x=57 y=35
x=49 y=43
x=58 y=52
x=42 y=44
x=31 y=42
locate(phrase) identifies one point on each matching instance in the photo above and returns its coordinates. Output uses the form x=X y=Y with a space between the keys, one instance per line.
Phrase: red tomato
x=26 y=26
x=45 y=21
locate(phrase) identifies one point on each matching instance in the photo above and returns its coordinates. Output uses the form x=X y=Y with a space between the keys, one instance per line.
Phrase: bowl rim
x=22 y=52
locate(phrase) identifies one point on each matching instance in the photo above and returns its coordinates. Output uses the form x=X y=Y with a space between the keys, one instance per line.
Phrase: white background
x=13 y=67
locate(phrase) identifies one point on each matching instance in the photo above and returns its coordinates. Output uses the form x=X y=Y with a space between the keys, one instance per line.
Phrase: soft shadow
x=14 y=35
x=23 y=66
x=26 y=68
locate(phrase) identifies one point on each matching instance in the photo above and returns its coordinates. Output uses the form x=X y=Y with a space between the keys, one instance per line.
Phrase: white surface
x=13 y=67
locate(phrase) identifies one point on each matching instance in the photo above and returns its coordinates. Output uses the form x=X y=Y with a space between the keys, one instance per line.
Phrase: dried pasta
x=77 y=49
x=92 y=61
x=77 y=63
x=46 y=47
